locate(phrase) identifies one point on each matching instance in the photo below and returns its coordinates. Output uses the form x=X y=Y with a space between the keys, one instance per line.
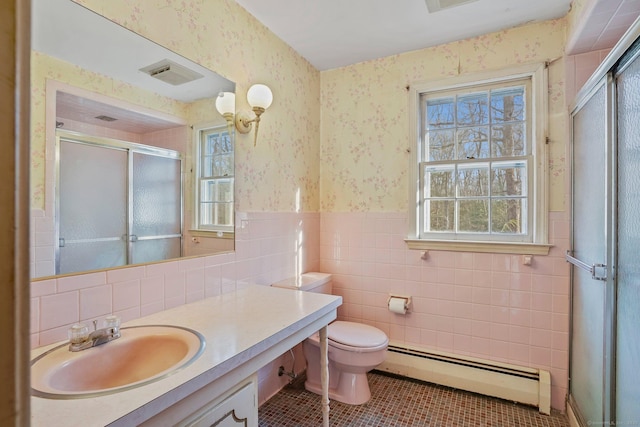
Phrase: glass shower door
x=628 y=267
x=156 y=208
x=92 y=210
x=589 y=243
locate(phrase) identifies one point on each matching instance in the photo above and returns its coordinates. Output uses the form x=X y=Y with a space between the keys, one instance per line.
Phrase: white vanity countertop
x=237 y=326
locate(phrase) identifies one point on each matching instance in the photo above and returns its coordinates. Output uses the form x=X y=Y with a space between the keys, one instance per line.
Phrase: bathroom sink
x=141 y=355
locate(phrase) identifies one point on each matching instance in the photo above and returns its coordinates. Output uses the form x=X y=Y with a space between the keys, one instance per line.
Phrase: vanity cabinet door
x=237 y=410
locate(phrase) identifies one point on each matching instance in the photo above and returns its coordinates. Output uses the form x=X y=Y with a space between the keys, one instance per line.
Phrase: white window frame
x=537 y=243
x=222 y=231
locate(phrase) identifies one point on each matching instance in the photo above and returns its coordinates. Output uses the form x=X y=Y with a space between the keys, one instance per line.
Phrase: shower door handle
x=597 y=271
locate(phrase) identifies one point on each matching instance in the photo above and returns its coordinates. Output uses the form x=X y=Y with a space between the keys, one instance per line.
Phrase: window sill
x=516 y=248
x=212 y=234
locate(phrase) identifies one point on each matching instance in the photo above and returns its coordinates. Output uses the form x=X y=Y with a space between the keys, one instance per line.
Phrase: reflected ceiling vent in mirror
x=437 y=5
x=170 y=72
x=106 y=118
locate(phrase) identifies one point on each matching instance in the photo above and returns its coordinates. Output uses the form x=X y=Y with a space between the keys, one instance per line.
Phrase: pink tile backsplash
x=95 y=302
x=132 y=292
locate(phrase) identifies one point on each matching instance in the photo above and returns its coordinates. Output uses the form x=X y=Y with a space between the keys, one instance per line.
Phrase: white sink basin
x=142 y=354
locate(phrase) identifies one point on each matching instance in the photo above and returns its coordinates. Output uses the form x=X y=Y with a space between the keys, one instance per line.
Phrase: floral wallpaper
x=282 y=172
x=365 y=124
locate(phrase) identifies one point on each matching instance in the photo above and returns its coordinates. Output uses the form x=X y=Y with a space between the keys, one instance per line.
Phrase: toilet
x=354 y=348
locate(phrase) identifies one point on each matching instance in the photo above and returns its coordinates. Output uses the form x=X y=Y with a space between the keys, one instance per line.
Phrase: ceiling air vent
x=106 y=118
x=436 y=5
x=170 y=72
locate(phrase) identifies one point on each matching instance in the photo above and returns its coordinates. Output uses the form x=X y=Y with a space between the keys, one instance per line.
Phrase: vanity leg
x=324 y=375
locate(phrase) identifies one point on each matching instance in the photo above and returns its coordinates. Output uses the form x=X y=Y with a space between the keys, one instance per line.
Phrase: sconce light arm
x=244 y=122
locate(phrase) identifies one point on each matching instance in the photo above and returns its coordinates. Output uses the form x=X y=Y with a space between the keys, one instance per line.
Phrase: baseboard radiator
x=509 y=382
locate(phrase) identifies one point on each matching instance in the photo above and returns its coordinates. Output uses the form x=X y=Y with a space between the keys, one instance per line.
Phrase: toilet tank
x=319 y=283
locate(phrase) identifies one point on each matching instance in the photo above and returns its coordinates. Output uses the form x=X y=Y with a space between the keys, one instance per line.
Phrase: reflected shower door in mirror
x=117 y=204
x=129 y=89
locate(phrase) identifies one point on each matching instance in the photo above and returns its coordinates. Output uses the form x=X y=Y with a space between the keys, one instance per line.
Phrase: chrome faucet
x=80 y=338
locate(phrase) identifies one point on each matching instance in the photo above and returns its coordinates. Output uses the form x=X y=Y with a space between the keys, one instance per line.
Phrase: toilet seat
x=354 y=337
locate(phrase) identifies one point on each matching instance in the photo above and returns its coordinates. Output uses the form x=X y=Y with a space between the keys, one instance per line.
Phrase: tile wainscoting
x=490 y=306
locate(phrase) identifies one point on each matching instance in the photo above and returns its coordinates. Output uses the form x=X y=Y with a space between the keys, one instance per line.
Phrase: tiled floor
x=400 y=402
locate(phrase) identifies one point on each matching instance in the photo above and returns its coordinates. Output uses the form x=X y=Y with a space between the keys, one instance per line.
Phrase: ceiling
x=336 y=33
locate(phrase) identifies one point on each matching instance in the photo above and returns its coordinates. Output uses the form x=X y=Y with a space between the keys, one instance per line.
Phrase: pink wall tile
x=151 y=289
x=43 y=287
x=95 y=302
x=484 y=305
x=126 y=295
x=128 y=314
x=72 y=283
x=154 y=307
x=125 y=274
x=60 y=309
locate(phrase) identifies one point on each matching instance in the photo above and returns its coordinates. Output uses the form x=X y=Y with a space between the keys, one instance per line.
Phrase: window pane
x=507 y=216
x=216 y=190
x=507 y=105
x=473 y=216
x=440 y=113
x=507 y=140
x=508 y=179
x=216 y=213
x=440 y=145
x=207 y=167
x=473 y=109
x=217 y=143
x=223 y=165
x=440 y=215
x=439 y=182
x=207 y=190
x=473 y=143
x=473 y=181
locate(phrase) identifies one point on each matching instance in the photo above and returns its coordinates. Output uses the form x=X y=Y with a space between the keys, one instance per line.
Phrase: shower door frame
x=130 y=148
x=607 y=70
x=608 y=339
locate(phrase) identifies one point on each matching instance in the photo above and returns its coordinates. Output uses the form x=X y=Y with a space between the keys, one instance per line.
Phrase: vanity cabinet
x=236 y=407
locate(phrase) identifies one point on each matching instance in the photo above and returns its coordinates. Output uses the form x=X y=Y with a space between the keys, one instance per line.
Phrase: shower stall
x=604 y=384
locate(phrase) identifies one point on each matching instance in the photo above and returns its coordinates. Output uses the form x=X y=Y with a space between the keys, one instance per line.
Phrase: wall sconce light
x=259 y=97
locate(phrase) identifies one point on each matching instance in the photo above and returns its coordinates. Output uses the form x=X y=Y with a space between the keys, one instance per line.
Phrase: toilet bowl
x=354 y=349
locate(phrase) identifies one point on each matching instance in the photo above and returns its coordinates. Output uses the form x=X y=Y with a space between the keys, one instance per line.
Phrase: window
x=480 y=163
x=214 y=179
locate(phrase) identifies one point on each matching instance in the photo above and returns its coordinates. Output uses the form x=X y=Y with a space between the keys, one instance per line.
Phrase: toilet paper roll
x=398 y=305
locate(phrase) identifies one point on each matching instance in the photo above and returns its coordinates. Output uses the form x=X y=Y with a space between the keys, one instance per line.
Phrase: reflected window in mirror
x=214 y=200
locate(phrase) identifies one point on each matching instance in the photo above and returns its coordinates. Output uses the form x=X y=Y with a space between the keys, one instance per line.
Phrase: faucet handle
x=112 y=322
x=78 y=333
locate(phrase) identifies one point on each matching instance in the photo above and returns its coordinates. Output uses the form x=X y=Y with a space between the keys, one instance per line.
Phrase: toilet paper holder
x=393 y=300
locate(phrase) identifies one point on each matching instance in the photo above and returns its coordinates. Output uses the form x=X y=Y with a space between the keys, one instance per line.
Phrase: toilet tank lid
x=356 y=334
x=304 y=281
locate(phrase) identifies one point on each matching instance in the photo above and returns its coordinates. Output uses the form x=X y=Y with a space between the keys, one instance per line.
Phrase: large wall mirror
x=131 y=162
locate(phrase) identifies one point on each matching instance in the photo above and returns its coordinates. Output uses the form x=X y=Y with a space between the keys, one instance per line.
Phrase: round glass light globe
x=259 y=95
x=226 y=102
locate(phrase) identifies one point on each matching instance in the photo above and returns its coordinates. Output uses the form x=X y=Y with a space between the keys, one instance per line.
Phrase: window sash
x=214 y=193
x=529 y=211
